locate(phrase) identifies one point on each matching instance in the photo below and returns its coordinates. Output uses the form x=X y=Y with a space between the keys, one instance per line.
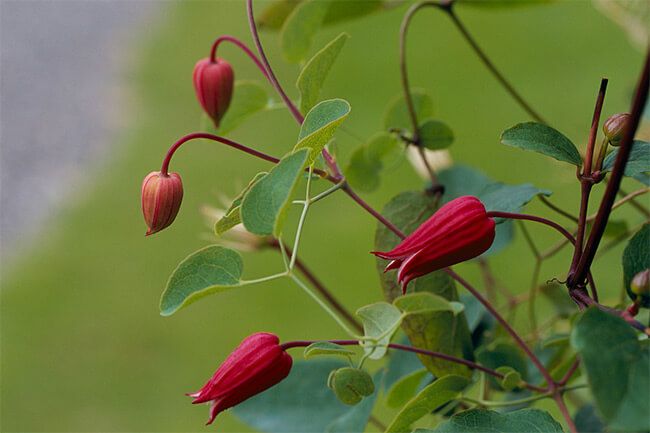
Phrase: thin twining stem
x=241 y=46
x=627 y=198
x=557 y=209
x=406 y=348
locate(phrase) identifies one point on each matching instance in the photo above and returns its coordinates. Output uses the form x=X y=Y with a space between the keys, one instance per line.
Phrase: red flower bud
x=213 y=82
x=256 y=365
x=458 y=231
x=161 y=199
x=614 y=128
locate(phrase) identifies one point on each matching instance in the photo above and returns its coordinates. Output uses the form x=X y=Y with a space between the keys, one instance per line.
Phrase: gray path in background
x=61 y=65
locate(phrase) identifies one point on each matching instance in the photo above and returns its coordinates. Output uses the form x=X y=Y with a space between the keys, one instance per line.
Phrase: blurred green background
x=83 y=345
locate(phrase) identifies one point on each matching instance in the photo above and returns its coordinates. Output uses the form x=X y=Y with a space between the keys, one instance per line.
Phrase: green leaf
x=440 y=331
x=248 y=98
x=636 y=258
x=543 y=139
x=400 y=364
x=502 y=354
x=509 y=198
x=209 y=270
x=275 y=14
x=232 y=216
x=637 y=164
x=350 y=385
x=300 y=27
x=379 y=319
x=511 y=378
x=356 y=418
x=441 y=391
x=397 y=116
x=482 y=421
x=264 y=207
x=616 y=228
x=302 y=403
x=425 y=302
x=369 y=159
x=312 y=76
x=320 y=124
x=405 y=388
x=616 y=364
x=435 y=135
x=322 y=348
x=503 y=3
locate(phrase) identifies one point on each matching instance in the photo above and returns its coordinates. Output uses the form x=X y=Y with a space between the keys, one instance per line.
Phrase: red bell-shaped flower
x=458 y=231
x=213 y=82
x=256 y=365
x=161 y=199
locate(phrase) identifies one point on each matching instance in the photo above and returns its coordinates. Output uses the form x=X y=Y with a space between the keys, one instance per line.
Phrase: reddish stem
x=242 y=46
x=557 y=396
x=403 y=347
x=379 y=217
x=569 y=373
x=614 y=183
x=188 y=137
x=505 y=325
x=517 y=216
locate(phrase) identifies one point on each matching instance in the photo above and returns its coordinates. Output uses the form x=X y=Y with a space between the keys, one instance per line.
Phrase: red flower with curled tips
x=256 y=365
x=458 y=231
x=213 y=82
x=161 y=199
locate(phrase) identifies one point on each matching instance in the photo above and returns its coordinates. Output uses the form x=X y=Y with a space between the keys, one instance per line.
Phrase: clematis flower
x=256 y=365
x=213 y=83
x=458 y=231
x=161 y=199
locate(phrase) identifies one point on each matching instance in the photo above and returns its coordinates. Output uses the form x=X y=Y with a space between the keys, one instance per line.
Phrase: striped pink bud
x=161 y=199
x=213 y=82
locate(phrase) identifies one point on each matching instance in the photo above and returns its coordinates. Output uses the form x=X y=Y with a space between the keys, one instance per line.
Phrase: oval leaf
x=210 y=270
x=320 y=124
x=441 y=391
x=405 y=388
x=435 y=135
x=264 y=207
x=543 y=139
x=312 y=76
x=369 y=159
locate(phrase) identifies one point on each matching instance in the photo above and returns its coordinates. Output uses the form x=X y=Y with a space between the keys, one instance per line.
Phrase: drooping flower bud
x=458 y=231
x=213 y=82
x=614 y=127
x=161 y=199
x=640 y=284
x=256 y=365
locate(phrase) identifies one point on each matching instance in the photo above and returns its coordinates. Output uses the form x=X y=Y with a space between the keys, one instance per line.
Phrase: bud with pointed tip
x=161 y=199
x=458 y=231
x=256 y=365
x=213 y=83
x=614 y=127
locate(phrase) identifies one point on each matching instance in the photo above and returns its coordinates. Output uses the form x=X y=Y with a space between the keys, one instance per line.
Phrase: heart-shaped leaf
x=210 y=270
x=435 y=135
x=380 y=321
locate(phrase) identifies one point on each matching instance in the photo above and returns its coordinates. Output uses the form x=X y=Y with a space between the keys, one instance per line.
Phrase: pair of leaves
x=616 y=363
x=441 y=331
x=369 y=159
x=302 y=403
